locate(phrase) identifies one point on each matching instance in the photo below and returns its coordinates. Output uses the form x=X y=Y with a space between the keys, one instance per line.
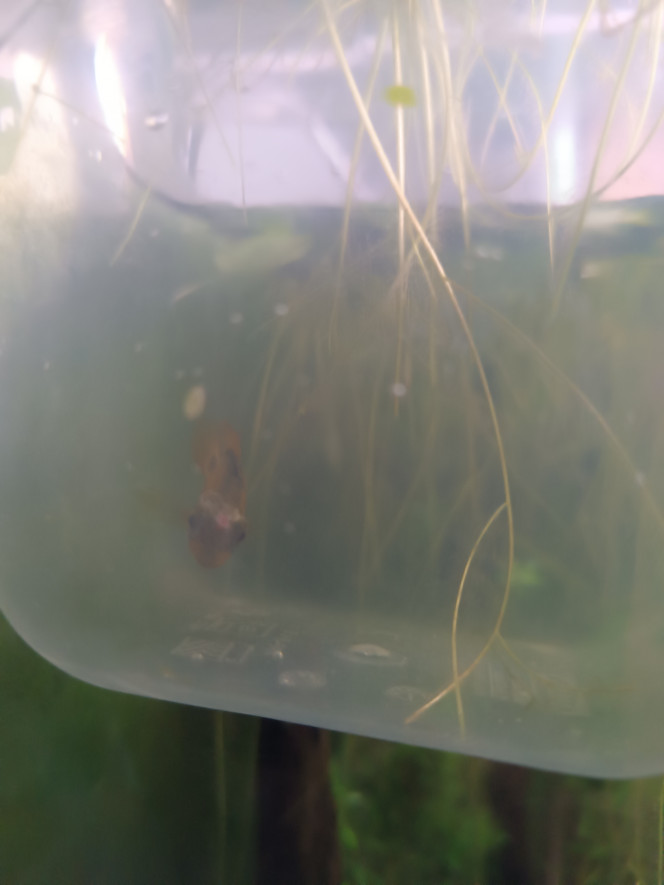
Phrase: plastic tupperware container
x=332 y=372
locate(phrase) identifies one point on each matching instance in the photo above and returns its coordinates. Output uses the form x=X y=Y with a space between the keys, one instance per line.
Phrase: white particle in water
x=193 y=404
x=236 y=319
x=289 y=528
x=197 y=372
x=47 y=365
x=95 y=155
x=281 y=309
x=398 y=389
x=197 y=656
x=179 y=374
x=138 y=347
x=640 y=478
x=156 y=121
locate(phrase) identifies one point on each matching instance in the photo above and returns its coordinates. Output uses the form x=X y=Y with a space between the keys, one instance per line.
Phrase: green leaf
x=400 y=95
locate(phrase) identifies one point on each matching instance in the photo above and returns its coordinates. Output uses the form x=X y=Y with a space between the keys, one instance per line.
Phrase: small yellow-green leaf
x=398 y=94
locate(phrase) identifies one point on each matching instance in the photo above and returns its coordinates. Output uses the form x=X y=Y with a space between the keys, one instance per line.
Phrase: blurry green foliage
x=102 y=787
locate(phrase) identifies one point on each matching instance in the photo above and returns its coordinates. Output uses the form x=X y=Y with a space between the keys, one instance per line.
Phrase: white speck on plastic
x=398 y=389
x=95 y=155
x=302 y=679
x=407 y=694
x=368 y=653
x=156 y=121
x=281 y=309
x=236 y=319
x=367 y=650
x=193 y=404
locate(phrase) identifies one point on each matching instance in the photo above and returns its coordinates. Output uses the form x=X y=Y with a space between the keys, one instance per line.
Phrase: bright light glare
x=111 y=95
x=565 y=164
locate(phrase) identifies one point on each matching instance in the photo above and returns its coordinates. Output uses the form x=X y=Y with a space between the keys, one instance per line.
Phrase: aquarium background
x=104 y=787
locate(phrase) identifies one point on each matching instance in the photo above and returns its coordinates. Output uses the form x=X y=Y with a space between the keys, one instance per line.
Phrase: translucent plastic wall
x=332 y=371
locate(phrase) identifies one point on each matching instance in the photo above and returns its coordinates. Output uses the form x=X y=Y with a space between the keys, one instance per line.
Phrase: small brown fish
x=218 y=524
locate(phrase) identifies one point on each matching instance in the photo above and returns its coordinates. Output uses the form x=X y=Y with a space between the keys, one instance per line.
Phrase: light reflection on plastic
x=45 y=142
x=28 y=74
x=564 y=165
x=111 y=94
